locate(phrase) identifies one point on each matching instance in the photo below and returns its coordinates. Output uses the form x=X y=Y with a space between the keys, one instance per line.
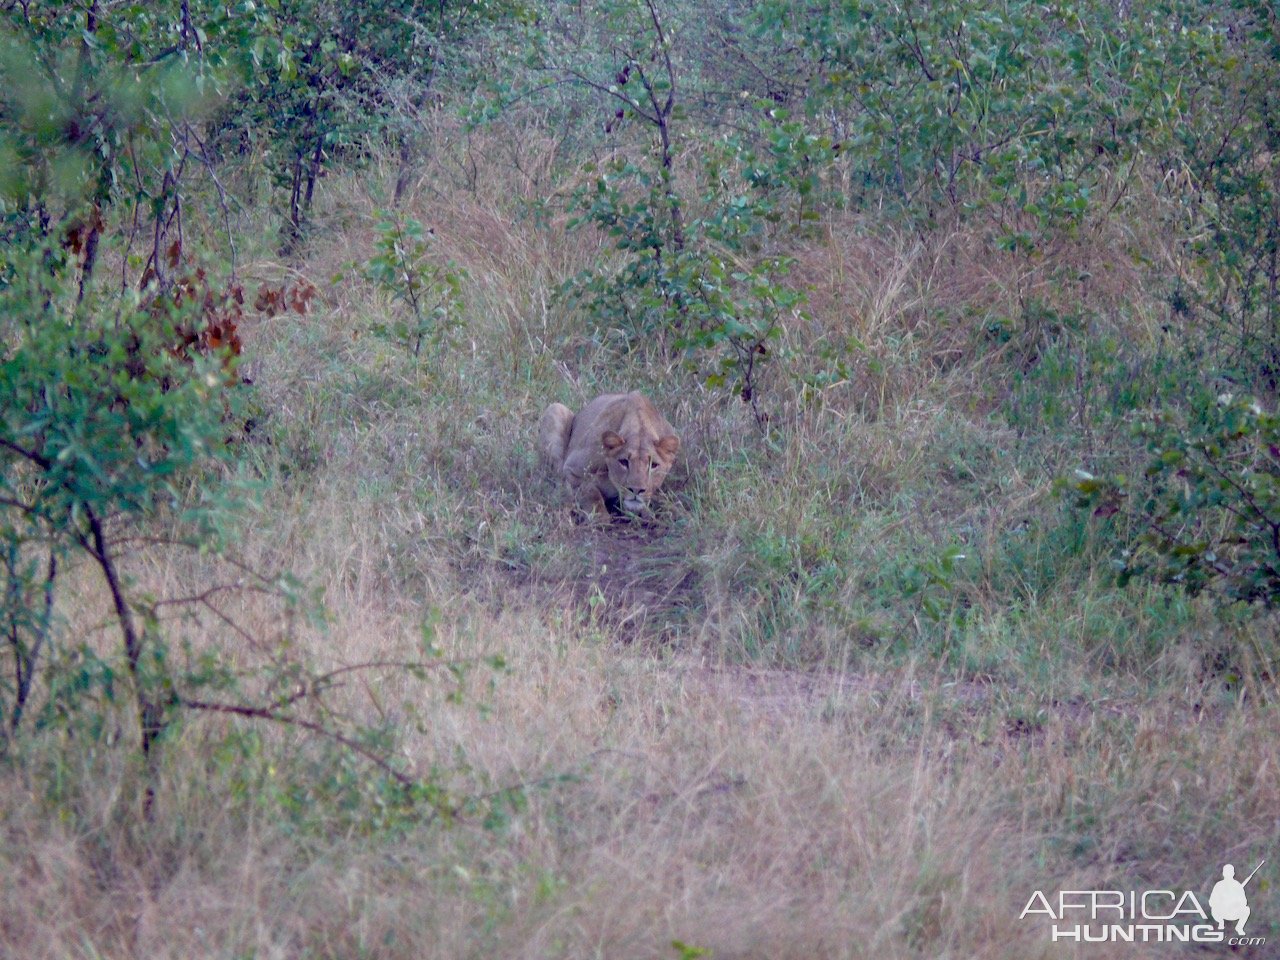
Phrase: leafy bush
x=1231 y=154
x=1024 y=111
x=700 y=276
x=709 y=293
x=326 y=80
x=429 y=296
x=119 y=413
x=106 y=420
x=1208 y=508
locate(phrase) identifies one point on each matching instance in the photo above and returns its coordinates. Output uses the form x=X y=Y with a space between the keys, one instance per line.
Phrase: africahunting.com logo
x=1148 y=916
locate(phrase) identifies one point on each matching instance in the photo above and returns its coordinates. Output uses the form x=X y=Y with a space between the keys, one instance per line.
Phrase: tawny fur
x=613 y=454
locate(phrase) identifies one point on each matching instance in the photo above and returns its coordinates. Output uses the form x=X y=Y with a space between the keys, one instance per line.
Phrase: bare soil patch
x=639 y=579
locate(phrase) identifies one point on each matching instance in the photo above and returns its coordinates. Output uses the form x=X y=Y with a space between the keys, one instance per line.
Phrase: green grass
x=864 y=683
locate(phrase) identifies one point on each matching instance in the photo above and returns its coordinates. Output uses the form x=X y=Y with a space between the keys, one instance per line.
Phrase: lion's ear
x=612 y=441
x=668 y=446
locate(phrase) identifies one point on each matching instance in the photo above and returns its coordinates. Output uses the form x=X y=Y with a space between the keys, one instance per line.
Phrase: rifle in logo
x=1228 y=900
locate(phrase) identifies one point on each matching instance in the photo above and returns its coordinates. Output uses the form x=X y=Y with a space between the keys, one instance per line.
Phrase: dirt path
x=641 y=580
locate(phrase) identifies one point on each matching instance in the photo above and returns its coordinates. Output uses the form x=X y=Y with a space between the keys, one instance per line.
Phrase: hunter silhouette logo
x=1148 y=916
x=1228 y=900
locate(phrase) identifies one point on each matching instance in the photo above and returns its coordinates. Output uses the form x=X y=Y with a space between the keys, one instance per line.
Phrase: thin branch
x=1172 y=537
x=198 y=597
x=916 y=49
x=666 y=57
x=19 y=505
x=287 y=719
x=149 y=540
x=1244 y=494
x=408 y=665
x=29 y=659
x=44 y=463
x=238 y=630
x=526 y=94
x=612 y=92
x=223 y=204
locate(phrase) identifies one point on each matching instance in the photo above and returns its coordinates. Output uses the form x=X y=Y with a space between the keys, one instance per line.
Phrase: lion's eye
x=654 y=464
x=622 y=462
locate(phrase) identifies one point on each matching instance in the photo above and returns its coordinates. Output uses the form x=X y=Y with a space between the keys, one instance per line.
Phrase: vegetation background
x=964 y=587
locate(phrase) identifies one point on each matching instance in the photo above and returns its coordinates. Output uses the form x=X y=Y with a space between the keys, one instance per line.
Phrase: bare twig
x=276 y=716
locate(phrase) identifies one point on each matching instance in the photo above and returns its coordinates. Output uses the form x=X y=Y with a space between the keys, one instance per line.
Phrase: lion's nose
x=637 y=490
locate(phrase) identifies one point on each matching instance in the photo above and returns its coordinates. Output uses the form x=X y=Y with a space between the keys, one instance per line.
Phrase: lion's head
x=638 y=466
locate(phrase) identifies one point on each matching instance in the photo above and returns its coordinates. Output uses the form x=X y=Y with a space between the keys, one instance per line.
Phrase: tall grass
x=863 y=686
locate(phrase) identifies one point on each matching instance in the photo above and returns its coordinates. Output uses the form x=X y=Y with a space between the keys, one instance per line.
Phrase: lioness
x=613 y=453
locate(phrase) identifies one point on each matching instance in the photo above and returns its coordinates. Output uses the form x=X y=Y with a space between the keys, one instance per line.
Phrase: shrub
x=429 y=296
x=1208 y=506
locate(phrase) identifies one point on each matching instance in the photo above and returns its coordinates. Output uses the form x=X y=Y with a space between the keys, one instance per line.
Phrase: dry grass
x=755 y=815
x=773 y=751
